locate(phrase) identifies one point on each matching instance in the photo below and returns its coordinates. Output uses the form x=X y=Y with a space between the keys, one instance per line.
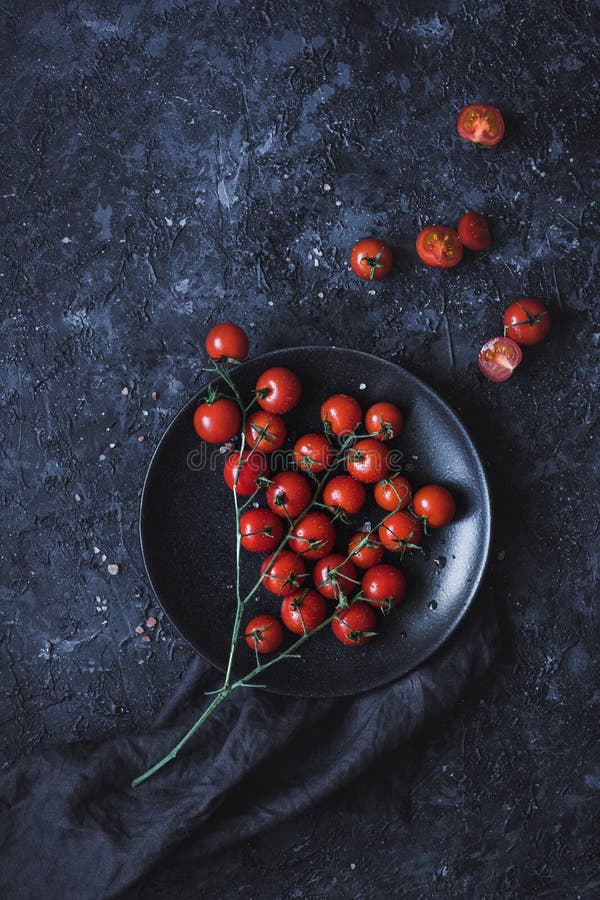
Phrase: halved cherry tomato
x=313 y=453
x=335 y=576
x=217 y=420
x=264 y=634
x=499 y=357
x=384 y=586
x=254 y=465
x=365 y=550
x=283 y=575
x=344 y=493
x=265 y=431
x=278 y=390
x=227 y=341
x=481 y=124
x=313 y=536
x=303 y=611
x=394 y=492
x=355 y=625
x=367 y=461
x=439 y=246
x=435 y=504
x=261 y=530
x=371 y=259
x=401 y=532
x=474 y=232
x=527 y=322
x=288 y=494
x=383 y=421
x=340 y=415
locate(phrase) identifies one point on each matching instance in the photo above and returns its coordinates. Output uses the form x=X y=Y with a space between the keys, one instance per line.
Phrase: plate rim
x=456 y=622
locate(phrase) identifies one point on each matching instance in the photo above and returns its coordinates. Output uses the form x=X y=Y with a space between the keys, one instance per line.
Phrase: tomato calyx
x=530 y=319
x=352 y=634
x=386 y=429
x=373 y=262
x=403 y=544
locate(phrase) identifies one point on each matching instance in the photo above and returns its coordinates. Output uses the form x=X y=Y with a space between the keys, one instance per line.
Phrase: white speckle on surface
x=320 y=295
x=125 y=391
x=96 y=549
x=168 y=221
x=144 y=412
x=326 y=187
x=338 y=202
x=112 y=446
x=352 y=865
x=77 y=497
x=103 y=557
x=182 y=222
x=315 y=262
x=102 y=457
x=113 y=569
x=372 y=293
x=66 y=240
x=269 y=303
x=362 y=386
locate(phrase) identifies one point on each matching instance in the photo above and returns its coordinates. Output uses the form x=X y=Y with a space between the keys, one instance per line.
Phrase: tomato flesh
x=482 y=124
x=439 y=246
x=499 y=357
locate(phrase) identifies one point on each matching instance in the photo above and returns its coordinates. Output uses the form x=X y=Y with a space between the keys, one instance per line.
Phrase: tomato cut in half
x=474 y=232
x=482 y=124
x=371 y=259
x=355 y=625
x=527 y=322
x=264 y=634
x=278 y=390
x=265 y=431
x=227 y=341
x=499 y=357
x=439 y=246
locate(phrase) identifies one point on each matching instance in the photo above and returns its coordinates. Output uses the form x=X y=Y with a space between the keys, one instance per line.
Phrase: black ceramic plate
x=188 y=539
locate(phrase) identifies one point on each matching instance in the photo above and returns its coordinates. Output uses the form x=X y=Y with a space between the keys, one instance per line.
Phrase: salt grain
x=146 y=639
x=141 y=438
x=154 y=396
x=326 y=187
x=362 y=386
x=96 y=549
x=151 y=622
x=125 y=391
x=501 y=555
x=78 y=497
x=113 y=569
x=139 y=630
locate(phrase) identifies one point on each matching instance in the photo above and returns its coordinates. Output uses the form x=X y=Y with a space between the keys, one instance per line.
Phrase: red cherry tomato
x=439 y=246
x=367 y=461
x=344 y=493
x=335 y=576
x=394 y=492
x=481 y=124
x=371 y=259
x=474 y=232
x=499 y=357
x=384 y=586
x=340 y=415
x=527 y=322
x=313 y=453
x=383 y=421
x=401 y=532
x=261 y=530
x=284 y=575
x=365 y=550
x=217 y=420
x=355 y=625
x=227 y=341
x=303 y=611
x=265 y=431
x=288 y=494
x=436 y=504
x=313 y=536
x=278 y=390
x=254 y=465
x=264 y=634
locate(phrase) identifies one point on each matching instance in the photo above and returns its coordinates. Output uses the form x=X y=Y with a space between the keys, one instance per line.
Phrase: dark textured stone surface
x=167 y=165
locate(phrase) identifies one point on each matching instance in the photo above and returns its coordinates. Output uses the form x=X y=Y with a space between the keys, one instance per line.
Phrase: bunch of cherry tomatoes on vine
x=297 y=527
x=527 y=321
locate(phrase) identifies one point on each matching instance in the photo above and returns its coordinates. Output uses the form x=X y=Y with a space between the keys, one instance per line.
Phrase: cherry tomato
x=439 y=246
x=371 y=259
x=474 y=232
x=527 y=322
x=261 y=530
x=217 y=420
x=365 y=550
x=367 y=461
x=303 y=611
x=383 y=421
x=384 y=586
x=394 y=492
x=265 y=431
x=401 y=532
x=335 y=576
x=345 y=493
x=355 y=625
x=227 y=341
x=288 y=494
x=285 y=575
x=481 y=124
x=278 y=390
x=313 y=453
x=313 y=536
x=253 y=467
x=340 y=415
x=499 y=357
x=264 y=634
x=434 y=503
